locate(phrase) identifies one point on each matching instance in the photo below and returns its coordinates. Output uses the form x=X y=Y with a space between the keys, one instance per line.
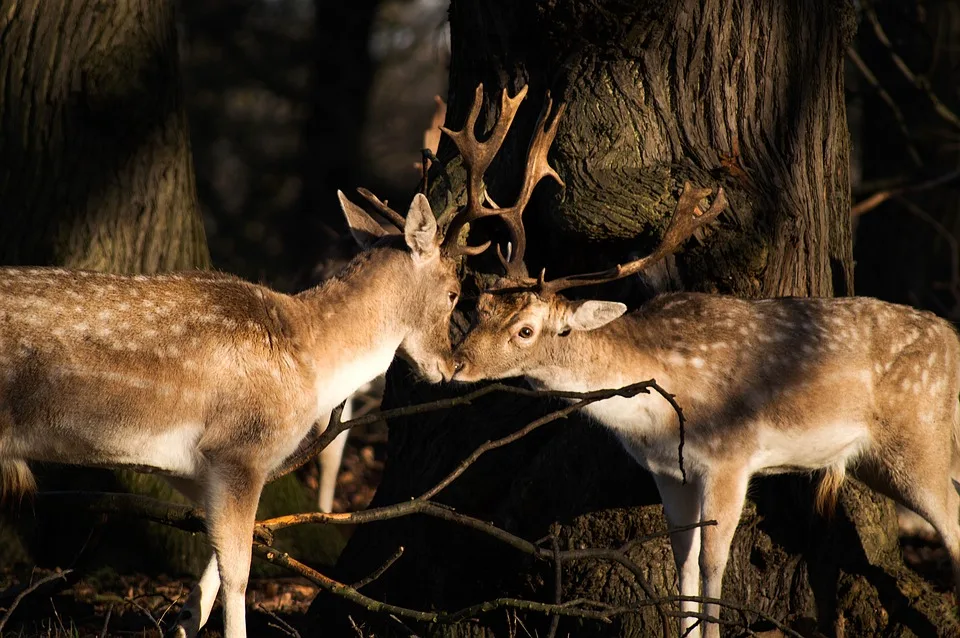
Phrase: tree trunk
x=96 y=170
x=746 y=95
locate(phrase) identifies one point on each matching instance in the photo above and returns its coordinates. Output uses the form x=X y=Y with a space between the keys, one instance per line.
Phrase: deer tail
x=828 y=489
x=16 y=480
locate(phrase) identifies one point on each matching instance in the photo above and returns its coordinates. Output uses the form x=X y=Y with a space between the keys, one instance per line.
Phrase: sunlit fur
x=767 y=387
x=206 y=378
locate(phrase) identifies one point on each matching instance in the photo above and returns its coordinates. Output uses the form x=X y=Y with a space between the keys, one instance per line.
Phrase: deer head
x=521 y=323
x=430 y=253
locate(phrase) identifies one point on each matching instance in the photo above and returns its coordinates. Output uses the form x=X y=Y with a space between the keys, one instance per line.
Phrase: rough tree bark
x=747 y=95
x=96 y=172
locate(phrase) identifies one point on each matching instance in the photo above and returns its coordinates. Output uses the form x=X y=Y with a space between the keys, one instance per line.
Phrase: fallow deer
x=767 y=386
x=213 y=381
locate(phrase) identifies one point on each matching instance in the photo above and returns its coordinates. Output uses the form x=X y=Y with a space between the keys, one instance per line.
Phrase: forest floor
x=107 y=604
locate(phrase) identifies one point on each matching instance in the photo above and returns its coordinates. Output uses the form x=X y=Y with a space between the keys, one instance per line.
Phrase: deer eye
x=525 y=332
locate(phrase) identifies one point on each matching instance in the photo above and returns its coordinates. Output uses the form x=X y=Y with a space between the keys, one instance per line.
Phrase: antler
x=391 y=215
x=477 y=157
x=686 y=219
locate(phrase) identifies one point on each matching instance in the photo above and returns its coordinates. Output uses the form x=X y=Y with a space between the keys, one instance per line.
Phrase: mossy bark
x=748 y=96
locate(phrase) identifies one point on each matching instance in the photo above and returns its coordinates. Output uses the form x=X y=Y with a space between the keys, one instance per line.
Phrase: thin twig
x=377 y=573
x=922 y=84
x=585 y=399
x=145 y=611
x=954 y=247
x=880 y=197
x=282 y=559
x=31 y=588
x=106 y=622
x=282 y=624
x=310 y=449
x=728 y=605
x=557 y=584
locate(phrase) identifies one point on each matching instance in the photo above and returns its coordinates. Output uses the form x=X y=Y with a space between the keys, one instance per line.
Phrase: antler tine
x=477 y=157
x=391 y=215
x=686 y=219
x=537 y=168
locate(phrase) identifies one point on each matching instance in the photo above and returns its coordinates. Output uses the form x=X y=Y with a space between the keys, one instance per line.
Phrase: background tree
x=747 y=96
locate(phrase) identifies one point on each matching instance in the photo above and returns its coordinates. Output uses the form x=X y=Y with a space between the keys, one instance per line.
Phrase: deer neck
x=356 y=322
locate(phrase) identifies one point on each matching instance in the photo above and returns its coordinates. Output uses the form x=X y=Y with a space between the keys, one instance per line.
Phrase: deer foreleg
x=722 y=497
x=681 y=506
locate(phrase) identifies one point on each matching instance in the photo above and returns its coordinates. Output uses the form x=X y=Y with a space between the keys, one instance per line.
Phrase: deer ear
x=590 y=315
x=420 y=230
x=364 y=228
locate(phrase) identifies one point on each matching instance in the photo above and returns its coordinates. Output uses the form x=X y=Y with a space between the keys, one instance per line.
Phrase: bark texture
x=747 y=95
x=96 y=170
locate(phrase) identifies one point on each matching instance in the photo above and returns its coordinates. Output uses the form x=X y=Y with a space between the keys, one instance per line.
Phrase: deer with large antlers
x=213 y=381
x=767 y=386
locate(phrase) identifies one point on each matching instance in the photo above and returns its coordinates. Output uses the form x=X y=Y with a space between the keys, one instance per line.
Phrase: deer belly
x=168 y=450
x=803 y=449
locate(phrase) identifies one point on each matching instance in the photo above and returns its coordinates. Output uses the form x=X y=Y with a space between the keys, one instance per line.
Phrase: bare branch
x=278 y=622
x=557 y=584
x=310 y=449
x=880 y=197
x=886 y=97
x=377 y=573
x=922 y=84
x=282 y=559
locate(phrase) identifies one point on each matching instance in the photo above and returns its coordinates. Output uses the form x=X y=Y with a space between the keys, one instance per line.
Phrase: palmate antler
x=477 y=157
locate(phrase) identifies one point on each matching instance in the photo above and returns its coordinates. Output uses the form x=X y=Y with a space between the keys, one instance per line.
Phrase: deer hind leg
x=329 y=459
x=196 y=609
x=921 y=477
x=722 y=497
x=681 y=506
x=232 y=494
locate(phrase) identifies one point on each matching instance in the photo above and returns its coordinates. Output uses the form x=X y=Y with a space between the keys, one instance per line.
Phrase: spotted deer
x=213 y=381
x=767 y=386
